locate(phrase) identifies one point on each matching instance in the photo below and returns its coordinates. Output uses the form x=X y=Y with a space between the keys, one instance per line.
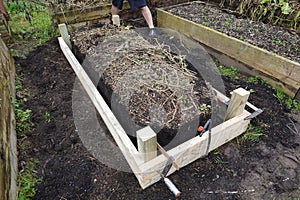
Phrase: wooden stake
x=237 y=104
x=146 y=140
x=116 y=20
x=64 y=34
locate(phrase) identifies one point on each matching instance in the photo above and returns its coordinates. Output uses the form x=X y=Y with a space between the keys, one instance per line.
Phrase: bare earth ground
x=268 y=169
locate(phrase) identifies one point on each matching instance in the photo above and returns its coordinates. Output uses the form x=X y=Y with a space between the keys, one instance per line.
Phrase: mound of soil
x=272 y=38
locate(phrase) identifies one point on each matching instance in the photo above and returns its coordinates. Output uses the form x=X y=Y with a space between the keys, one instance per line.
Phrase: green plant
x=204 y=107
x=27 y=180
x=282 y=12
x=23 y=123
x=291 y=104
x=252 y=134
x=252 y=90
x=27 y=177
x=218 y=161
x=205 y=23
x=254 y=79
x=30 y=21
x=228 y=71
x=227 y=21
x=47 y=116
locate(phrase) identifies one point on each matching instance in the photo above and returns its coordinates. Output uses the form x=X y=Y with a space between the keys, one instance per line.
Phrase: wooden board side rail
x=285 y=71
x=148 y=171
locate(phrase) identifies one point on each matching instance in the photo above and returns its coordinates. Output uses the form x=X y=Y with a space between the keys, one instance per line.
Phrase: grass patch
x=27 y=176
x=254 y=79
x=287 y=101
x=23 y=123
x=47 y=117
x=253 y=134
x=30 y=21
x=230 y=72
x=27 y=180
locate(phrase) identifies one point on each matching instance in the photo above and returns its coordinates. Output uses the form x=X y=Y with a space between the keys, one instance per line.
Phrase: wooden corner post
x=237 y=103
x=147 y=143
x=64 y=34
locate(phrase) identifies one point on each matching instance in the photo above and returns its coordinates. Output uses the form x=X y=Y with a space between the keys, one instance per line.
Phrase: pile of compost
x=155 y=86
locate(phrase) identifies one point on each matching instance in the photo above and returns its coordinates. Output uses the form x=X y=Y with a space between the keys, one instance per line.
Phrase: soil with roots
x=268 y=168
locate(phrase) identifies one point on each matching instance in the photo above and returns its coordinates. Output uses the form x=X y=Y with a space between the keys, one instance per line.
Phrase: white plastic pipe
x=172 y=187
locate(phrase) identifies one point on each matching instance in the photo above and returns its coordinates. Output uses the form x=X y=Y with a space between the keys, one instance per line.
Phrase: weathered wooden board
x=285 y=71
x=8 y=141
x=89 y=14
x=5 y=31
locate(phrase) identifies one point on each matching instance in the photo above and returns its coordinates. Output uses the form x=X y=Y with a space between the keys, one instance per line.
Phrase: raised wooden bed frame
x=280 y=72
x=147 y=168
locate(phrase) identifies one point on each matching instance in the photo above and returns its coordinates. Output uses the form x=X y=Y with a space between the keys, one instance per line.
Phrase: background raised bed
x=285 y=73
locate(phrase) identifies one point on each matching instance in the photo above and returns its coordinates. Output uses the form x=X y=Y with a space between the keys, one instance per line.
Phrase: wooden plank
x=194 y=149
x=90 y=14
x=282 y=69
x=146 y=140
x=116 y=20
x=237 y=103
x=128 y=149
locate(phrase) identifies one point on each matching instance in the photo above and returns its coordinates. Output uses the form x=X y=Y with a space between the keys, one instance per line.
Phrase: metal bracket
x=167 y=167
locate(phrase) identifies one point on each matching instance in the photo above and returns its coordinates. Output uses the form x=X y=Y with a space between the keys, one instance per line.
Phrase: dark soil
x=272 y=38
x=267 y=169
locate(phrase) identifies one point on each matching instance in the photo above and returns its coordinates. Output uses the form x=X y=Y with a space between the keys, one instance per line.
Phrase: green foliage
x=204 y=107
x=291 y=104
x=27 y=180
x=47 y=116
x=254 y=79
x=23 y=123
x=252 y=134
x=230 y=72
x=278 y=12
x=30 y=22
x=281 y=12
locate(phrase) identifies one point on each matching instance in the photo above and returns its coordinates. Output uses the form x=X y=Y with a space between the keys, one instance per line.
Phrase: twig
x=292 y=127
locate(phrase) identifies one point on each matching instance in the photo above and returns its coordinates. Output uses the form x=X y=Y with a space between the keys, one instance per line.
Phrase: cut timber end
x=64 y=34
x=146 y=140
x=116 y=20
x=237 y=104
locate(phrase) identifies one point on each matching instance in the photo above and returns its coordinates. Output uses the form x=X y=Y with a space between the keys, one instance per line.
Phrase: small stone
x=64 y=116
